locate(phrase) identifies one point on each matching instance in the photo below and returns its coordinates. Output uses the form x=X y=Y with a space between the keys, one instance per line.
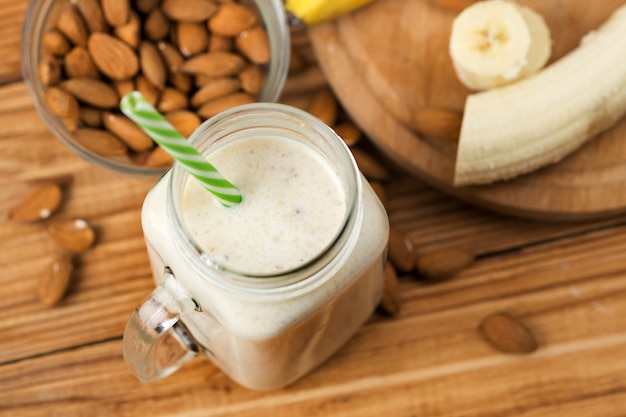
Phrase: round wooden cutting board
x=389 y=60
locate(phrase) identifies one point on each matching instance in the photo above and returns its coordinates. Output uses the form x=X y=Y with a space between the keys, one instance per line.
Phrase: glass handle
x=155 y=342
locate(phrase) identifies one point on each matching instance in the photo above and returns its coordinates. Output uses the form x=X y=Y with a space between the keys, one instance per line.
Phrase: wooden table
x=567 y=282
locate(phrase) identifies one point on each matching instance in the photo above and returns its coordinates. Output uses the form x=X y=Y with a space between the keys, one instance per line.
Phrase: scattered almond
x=442 y=263
x=507 y=334
x=379 y=189
x=370 y=166
x=348 y=132
x=54 y=283
x=93 y=92
x=73 y=235
x=438 y=123
x=100 y=141
x=126 y=130
x=231 y=19
x=38 y=204
x=390 y=302
x=254 y=45
x=400 y=250
x=189 y=10
x=324 y=106
x=72 y=25
x=149 y=91
x=221 y=104
x=113 y=57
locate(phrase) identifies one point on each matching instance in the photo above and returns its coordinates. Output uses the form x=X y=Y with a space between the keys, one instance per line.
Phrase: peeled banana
x=536 y=121
x=312 y=12
x=496 y=42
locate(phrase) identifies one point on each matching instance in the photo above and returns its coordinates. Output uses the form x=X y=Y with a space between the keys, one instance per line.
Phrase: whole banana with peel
x=312 y=12
x=539 y=119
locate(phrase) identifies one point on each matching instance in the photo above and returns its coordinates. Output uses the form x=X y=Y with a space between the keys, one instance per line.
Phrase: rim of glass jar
x=305 y=277
x=35 y=23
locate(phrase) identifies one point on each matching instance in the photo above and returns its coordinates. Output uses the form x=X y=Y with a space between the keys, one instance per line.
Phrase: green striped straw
x=135 y=106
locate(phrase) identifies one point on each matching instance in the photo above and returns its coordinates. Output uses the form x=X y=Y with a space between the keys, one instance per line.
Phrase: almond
x=127 y=131
x=400 y=250
x=146 y=6
x=192 y=38
x=92 y=14
x=156 y=25
x=152 y=65
x=507 y=334
x=214 y=88
x=370 y=166
x=93 y=92
x=189 y=10
x=324 y=106
x=54 y=42
x=90 y=116
x=61 y=103
x=130 y=32
x=218 y=105
x=380 y=192
x=71 y=24
x=218 y=43
x=214 y=64
x=184 y=121
x=390 y=302
x=251 y=80
x=113 y=57
x=124 y=87
x=38 y=204
x=171 y=56
x=116 y=12
x=438 y=124
x=254 y=45
x=54 y=284
x=158 y=158
x=100 y=141
x=78 y=64
x=149 y=91
x=181 y=81
x=49 y=71
x=348 y=132
x=442 y=263
x=231 y=19
x=73 y=235
x=171 y=99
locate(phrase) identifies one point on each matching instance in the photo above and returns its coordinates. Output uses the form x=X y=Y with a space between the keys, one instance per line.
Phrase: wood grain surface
x=567 y=282
x=385 y=74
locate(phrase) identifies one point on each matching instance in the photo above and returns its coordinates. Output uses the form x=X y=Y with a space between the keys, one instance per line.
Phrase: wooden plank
x=11 y=22
x=430 y=360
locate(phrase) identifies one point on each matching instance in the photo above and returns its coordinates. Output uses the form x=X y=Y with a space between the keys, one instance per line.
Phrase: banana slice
x=496 y=42
x=312 y=12
x=518 y=128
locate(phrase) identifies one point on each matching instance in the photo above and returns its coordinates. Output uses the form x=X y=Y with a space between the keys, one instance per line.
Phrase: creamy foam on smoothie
x=293 y=207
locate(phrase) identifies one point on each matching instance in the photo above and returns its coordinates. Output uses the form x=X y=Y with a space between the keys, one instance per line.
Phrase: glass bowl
x=38 y=20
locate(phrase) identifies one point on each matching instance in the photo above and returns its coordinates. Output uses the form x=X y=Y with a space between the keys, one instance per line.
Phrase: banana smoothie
x=283 y=280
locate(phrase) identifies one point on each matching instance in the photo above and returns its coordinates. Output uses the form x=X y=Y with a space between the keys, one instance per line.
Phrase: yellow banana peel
x=312 y=12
